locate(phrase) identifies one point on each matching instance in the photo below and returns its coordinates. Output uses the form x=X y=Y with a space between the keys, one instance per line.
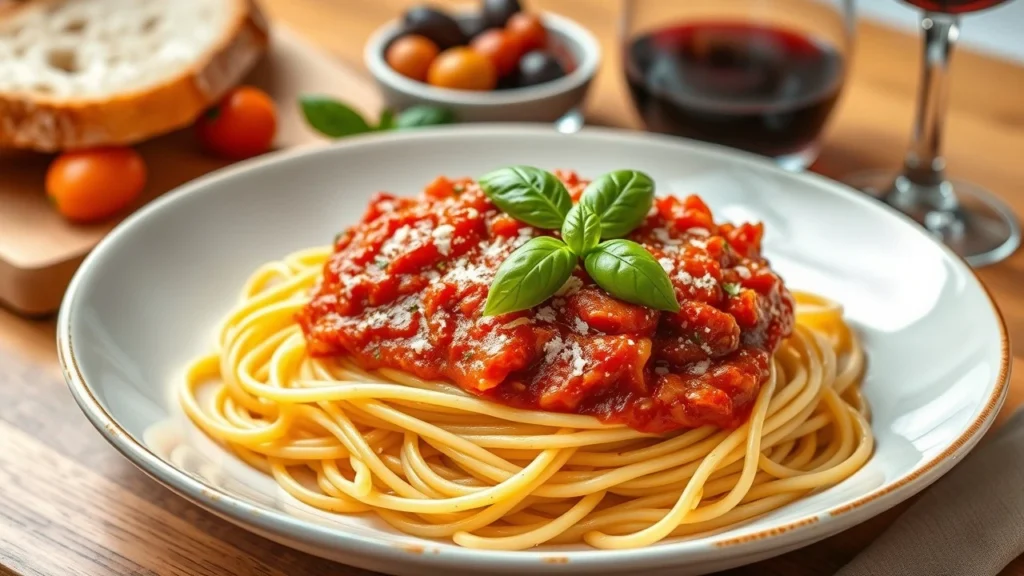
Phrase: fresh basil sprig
x=336 y=119
x=629 y=272
x=528 y=194
x=422 y=115
x=581 y=229
x=621 y=199
x=613 y=205
x=530 y=275
x=332 y=118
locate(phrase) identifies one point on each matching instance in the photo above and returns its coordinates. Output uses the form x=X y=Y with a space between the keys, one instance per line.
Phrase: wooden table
x=69 y=504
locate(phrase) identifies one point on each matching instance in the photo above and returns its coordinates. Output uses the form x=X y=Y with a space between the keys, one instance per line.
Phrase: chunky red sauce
x=405 y=289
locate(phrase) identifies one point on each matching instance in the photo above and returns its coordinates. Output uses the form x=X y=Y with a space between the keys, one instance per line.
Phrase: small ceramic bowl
x=541 y=103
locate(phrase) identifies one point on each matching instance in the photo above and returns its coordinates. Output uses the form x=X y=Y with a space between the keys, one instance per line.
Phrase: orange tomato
x=91 y=185
x=500 y=47
x=527 y=30
x=462 y=68
x=411 y=56
x=241 y=126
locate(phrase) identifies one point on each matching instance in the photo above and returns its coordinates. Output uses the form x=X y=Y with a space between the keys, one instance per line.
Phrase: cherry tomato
x=241 y=126
x=411 y=56
x=463 y=68
x=500 y=48
x=528 y=31
x=91 y=185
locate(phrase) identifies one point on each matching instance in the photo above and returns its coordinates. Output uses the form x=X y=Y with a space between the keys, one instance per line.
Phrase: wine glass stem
x=924 y=164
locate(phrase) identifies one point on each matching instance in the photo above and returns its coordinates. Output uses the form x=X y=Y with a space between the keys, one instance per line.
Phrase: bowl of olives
x=497 y=62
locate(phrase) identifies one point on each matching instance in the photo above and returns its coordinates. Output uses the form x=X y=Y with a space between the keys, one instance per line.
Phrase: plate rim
x=247 y=513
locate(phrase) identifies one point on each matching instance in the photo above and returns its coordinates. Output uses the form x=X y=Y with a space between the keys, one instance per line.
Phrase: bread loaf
x=84 y=73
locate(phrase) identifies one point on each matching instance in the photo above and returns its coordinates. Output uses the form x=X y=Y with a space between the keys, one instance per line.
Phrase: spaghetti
x=434 y=461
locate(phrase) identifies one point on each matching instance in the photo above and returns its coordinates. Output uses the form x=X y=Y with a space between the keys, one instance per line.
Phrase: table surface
x=70 y=504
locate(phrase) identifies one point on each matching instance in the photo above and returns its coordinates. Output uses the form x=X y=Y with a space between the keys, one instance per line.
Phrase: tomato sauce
x=406 y=286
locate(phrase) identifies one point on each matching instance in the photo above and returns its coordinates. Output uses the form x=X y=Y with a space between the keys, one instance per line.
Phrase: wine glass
x=759 y=75
x=969 y=219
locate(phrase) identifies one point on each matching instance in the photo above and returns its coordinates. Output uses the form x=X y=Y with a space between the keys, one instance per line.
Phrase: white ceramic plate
x=146 y=300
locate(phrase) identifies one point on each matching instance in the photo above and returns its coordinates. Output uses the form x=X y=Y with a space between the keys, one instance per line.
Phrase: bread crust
x=36 y=123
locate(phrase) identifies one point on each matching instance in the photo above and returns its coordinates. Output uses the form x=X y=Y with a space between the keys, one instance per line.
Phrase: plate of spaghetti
x=492 y=349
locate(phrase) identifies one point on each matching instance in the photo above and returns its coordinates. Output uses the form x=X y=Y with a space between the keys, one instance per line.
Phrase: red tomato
x=528 y=31
x=411 y=56
x=463 y=68
x=502 y=49
x=91 y=185
x=241 y=126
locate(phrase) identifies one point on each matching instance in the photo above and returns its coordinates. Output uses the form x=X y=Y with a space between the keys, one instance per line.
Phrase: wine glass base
x=798 y=161
x=571 y=122
x=979 y=227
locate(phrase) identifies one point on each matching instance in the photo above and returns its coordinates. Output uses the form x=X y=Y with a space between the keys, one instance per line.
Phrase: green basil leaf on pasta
x=528 y=194
x=581 y=230
x=629 y=272
x=332 y=118
x=530 y=275
x=621 y=199
x=423 y=115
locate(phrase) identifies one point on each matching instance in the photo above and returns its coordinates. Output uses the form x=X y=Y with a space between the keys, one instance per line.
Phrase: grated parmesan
x=571 y=286
x=443 y=238
x=705 y=282
x=577 y=360
x=699 y=368
x=552 y=349
x=580 y=325
x=667 y=264
x=664 y=237
x=546 y=314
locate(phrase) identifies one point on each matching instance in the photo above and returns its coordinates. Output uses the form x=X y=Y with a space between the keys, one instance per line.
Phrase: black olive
x=537 y=67
x=473 y=26
x=439 y=27
x=497 y=12
x=508 y=82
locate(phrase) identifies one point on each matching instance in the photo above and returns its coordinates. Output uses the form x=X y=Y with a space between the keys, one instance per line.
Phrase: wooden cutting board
x=40 y=251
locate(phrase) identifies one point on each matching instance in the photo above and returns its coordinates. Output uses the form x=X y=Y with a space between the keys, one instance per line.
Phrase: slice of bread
x=84 y=73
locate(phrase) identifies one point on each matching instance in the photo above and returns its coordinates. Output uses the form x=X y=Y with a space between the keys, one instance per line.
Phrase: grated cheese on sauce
x=571 y=286
x=705 y=282
x=443 y=238
x=546 y=314
x=580 y=325
x=552 y=349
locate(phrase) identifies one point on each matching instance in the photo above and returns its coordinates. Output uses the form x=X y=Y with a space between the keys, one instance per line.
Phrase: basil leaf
x=581 y=230
x=387 y=119
x=621 y=199
x=627 y=271
x=422 y=115
x=528 y=194
x=332 y=118
x=530 y=275
x=732 y=288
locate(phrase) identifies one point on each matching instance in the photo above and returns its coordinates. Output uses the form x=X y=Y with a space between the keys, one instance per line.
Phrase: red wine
x=766 y=90
x=954 y=6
